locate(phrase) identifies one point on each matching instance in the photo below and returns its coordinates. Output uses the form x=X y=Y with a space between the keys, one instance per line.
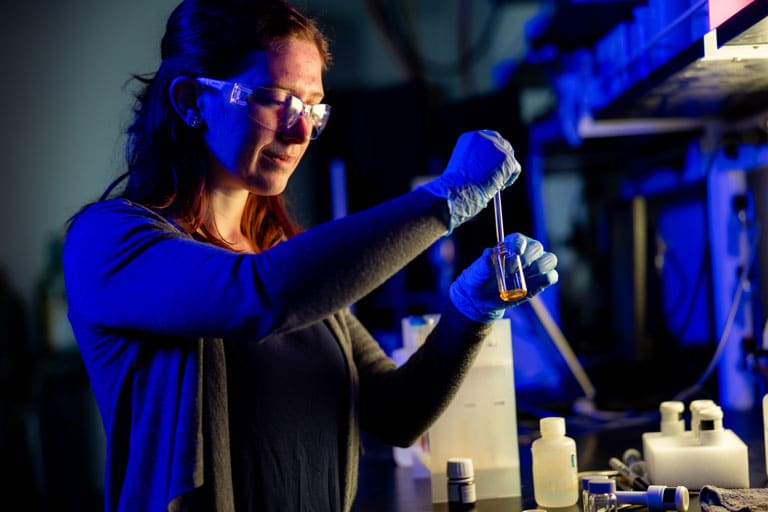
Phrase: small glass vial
x=509 y=273
x=462 y=494
x=585 y=488
x=555 y=471
x=602 y=496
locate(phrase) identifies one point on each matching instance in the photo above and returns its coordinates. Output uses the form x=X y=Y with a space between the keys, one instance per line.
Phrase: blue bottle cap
x=600 y=486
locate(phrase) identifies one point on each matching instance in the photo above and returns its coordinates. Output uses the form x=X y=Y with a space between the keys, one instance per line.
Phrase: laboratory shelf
x=722 y=75
x=554 y=26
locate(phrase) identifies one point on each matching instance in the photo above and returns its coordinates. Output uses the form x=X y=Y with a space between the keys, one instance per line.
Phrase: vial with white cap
x=555 y=470
x=765 y=421
x=462 y=494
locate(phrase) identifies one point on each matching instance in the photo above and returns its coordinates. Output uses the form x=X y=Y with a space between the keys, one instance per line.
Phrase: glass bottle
x=602 y=496
x=585 y=488
x=461 y=484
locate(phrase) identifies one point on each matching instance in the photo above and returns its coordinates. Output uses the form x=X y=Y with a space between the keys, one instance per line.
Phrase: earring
x=194 y=120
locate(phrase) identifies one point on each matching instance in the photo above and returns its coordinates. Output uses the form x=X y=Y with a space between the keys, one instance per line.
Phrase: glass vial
x=602 y=496
x=509 y=273
x=555 y=470
x=585 y=488
x=462 y=494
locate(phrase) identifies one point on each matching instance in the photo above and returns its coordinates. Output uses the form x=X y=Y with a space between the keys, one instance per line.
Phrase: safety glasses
x=274 y=109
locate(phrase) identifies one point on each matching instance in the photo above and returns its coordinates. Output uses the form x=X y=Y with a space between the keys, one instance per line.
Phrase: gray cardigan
x=150 y=307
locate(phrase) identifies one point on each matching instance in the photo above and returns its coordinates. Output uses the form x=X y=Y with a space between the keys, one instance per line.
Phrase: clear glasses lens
x=319 y=115
x=279 y=111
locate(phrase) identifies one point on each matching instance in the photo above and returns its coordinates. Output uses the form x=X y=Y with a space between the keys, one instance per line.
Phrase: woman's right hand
x=482 y=163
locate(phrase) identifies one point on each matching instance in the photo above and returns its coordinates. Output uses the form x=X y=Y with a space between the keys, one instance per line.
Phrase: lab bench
x=386 y=487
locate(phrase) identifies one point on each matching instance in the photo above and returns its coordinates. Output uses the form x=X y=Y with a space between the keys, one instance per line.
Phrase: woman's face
x=244 y=154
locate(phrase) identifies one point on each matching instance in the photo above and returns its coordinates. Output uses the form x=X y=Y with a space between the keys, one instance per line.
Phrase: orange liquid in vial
x=508 y=295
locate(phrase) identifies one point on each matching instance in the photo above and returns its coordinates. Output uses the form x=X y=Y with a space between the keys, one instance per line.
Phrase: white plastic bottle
x=765 y=424
x=555 y=470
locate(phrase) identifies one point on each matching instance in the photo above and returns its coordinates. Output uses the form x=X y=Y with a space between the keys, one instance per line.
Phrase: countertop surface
x=386 y=487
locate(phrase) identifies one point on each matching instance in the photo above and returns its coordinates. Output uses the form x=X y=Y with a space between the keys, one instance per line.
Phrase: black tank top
x=288 y=404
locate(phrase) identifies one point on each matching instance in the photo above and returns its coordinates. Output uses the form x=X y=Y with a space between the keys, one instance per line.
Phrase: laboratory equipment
x=602 y=496
x=657 y=498
x=555 y=470
x=481 y=423
x=506 y=262
x=585 y=480
x=706 y=454
x=672 y=422
x=711 y=430
x=462 y=494
x=638 y=482
x=634 y=460
x=696 y=407
x=765 y=430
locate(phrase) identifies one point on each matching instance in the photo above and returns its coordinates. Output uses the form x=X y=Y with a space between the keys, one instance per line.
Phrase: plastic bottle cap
x=460 y=467
x=671 y=410
x=682 y=498
x=711 y=413
x=631 y=455
x=553 y=426
x=697 y=405
x=585 y=480
x=711 y=419
x=600 y=486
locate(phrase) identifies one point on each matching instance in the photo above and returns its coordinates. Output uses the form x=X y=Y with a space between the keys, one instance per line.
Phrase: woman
x=228 y=369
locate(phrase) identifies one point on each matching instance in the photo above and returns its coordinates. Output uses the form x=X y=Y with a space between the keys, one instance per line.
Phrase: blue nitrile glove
x=482 y=163
x=476 y=293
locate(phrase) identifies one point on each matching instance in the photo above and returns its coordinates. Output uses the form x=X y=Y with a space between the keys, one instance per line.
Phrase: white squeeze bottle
x=765 y=429
x=555 y=471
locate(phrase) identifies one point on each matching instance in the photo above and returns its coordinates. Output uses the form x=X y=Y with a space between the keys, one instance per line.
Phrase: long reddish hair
x=167 y=163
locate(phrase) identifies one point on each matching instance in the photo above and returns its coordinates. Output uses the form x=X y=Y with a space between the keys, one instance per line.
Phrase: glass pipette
x=499 y=218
